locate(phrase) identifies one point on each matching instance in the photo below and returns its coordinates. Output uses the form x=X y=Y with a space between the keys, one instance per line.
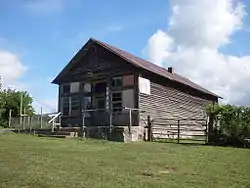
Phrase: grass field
x=27 y=161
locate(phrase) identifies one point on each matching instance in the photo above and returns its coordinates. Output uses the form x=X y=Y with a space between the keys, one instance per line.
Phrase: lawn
x=28 y=161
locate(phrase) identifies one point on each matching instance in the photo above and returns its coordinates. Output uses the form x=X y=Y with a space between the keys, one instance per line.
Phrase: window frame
x=83 y=87
x=69 y=105
x=63 y=88
x=113 y=103
x=114 y=83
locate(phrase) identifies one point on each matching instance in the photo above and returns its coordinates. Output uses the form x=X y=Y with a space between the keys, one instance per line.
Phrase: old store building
x=106 y=79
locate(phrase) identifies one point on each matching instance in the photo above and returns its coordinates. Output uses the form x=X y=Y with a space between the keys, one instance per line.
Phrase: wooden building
x=106 y=79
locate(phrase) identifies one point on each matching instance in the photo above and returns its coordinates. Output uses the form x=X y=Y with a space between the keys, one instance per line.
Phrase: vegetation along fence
x=30 y=122
x=179 y=130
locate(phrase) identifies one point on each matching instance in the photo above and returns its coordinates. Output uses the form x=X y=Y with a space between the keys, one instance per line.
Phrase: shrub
x=232 y=124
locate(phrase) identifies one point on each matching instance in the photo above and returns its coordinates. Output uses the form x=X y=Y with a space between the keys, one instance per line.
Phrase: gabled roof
x=141 y=63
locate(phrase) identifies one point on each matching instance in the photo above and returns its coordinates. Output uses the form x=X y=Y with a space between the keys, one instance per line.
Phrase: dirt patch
x=148 y=174
x=168 y=170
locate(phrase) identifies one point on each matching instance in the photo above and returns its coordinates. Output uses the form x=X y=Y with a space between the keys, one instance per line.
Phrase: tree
x=234 y=124
x=10 y=100
x=2 y=104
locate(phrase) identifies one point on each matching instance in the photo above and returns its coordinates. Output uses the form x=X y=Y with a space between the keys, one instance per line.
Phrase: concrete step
x=71 y=129
x=55 y=136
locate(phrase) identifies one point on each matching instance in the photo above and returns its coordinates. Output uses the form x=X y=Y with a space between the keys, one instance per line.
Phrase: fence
x=179 y=130
x=30 y=122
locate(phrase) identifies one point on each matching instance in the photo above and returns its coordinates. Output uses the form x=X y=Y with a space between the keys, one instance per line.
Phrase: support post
x=21 y=109
x=206 y=135
x=60 y=121
x=150 y=130
x=24 y=120
x=178 y=138
x=210 y=128
x=41 y=118
x=10 y=118
x=53 y=126
x=130 y=121
x=83 y=121
x=110 y=111
x=29 y=121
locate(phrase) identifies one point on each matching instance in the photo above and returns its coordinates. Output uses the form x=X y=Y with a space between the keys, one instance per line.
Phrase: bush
x=232 y=124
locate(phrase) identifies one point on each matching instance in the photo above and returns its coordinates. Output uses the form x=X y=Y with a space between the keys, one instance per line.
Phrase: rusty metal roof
x=141 y=63
x=138 y=62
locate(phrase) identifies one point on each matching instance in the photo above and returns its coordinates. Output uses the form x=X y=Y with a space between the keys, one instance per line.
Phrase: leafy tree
x=234 y=123
x=2 y=104
x=10 y=100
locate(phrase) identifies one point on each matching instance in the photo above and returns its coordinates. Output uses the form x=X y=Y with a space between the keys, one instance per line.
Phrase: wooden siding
x=103 y=65
x=165 y=101
x=98 y=63
x=168 y=99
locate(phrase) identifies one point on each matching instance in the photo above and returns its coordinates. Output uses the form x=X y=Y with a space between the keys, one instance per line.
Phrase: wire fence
x=30 y=122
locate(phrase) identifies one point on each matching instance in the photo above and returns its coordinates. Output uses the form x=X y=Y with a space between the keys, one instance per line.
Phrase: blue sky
x=45 y=35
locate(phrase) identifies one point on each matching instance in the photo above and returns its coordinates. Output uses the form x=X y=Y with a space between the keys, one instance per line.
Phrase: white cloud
x=44 y=6
x=11 y=69
x=196 y=31
x=159 y=46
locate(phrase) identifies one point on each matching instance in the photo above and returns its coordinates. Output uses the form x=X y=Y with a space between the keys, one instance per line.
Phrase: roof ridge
x=172 y=76
x=140 y=63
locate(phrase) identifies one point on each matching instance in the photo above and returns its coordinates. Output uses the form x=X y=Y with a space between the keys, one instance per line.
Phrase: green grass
x=28 y=161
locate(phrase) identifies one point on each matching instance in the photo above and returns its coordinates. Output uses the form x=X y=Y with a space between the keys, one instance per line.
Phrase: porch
x=99 y=102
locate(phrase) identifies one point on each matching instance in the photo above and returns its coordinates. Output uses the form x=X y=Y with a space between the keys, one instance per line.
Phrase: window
x=116 y=81
x=87 y=103
x=66 y=88
x=65 y=106
x=144 y=85
x=87 y=87
x=74 y=103
x=70 y=105
x=128 y=98
x=74 y=87
x=100 y=87
x=101 y=103
x=116 y=97
x=117 y=101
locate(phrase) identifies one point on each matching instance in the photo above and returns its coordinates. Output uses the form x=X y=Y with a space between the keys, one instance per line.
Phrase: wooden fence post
x=29 y=118
x=206 y=134
x=130 y=122
x=10 y=116
x=83 y=123
x=150 y=131
x=210 y=127
x=178 y=138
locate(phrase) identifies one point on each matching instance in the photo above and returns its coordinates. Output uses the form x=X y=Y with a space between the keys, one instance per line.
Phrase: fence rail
x=169 y=129
x=28 y=122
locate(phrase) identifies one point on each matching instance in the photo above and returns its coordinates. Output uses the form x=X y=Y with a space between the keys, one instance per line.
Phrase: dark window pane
x=100 y=87
x=116 y=97
x=66 y=89
x=74 y=102
x=101 y=103
x=117 y=81
x=65 y=101
x=117 y=105
x=66 y=111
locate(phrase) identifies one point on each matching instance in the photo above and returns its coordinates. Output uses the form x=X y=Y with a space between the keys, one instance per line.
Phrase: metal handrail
x=53 y=121
x=56 y=115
